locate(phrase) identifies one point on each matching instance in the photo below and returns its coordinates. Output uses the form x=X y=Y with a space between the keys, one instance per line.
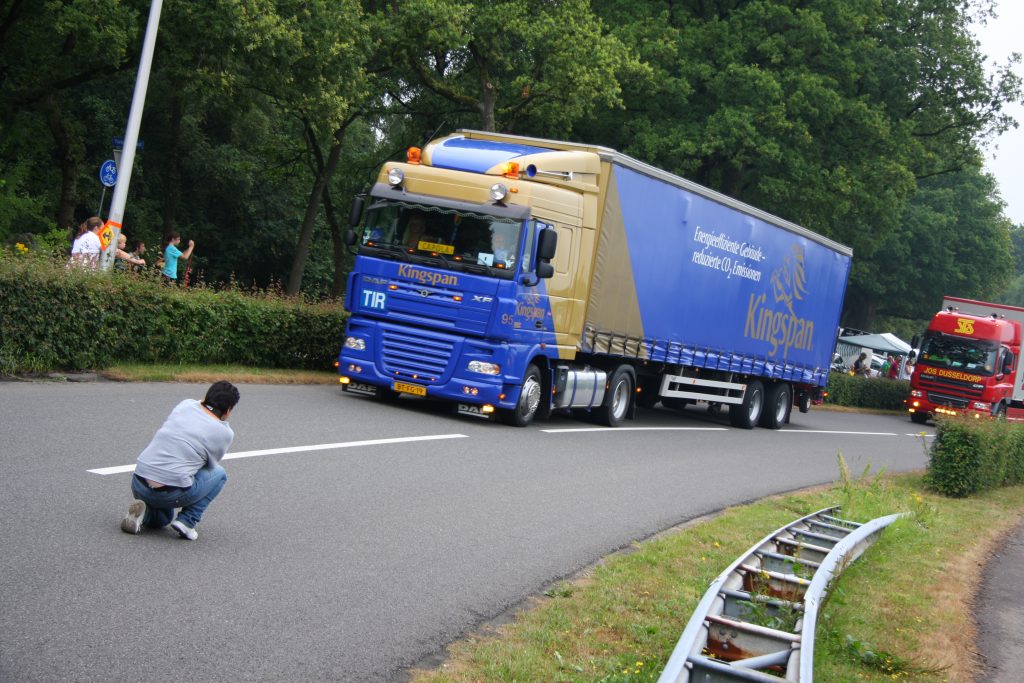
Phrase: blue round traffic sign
x=108 y=173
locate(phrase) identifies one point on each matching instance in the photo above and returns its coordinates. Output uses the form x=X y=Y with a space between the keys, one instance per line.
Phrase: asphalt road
x=403 y=529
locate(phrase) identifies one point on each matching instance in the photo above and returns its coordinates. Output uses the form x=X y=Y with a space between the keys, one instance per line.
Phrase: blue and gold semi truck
x=517 y=276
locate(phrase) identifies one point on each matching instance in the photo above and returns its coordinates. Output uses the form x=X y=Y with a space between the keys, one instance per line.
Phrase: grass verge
x=212 y=373
x=902 y=612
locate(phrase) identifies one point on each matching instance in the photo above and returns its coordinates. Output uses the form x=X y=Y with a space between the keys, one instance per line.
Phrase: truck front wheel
x=747 y=414
x=529 y=400
x=615 y=406
x=777 y=406
x=919 y=418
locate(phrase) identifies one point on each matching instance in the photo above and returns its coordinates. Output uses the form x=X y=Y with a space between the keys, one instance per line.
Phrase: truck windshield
x=957 y=353
x=456 y=240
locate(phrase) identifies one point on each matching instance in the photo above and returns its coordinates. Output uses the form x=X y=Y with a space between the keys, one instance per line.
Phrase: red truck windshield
x=958 y=353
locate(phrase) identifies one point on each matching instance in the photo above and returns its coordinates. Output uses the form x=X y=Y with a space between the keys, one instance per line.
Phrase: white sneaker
x=132 y=522
x=184 y=531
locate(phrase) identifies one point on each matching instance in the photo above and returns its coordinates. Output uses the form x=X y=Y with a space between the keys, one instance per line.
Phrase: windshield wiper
x=388 y=247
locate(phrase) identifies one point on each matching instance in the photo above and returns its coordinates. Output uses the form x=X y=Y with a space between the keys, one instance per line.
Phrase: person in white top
x=86 y=251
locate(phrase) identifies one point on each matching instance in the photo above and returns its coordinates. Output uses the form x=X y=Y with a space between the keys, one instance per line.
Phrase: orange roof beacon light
x=413 y=155
x=511 y=169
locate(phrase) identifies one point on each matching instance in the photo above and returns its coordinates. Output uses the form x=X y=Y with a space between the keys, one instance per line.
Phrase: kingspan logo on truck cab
x=518 y=276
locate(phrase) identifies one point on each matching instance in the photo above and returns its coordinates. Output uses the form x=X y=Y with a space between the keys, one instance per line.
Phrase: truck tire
x=529 y=400
x=803 y=402
x=778 y=402
x=747 y=414
x=615 y=406
x=919 y=418
x=1000 y=411
x=676 y=403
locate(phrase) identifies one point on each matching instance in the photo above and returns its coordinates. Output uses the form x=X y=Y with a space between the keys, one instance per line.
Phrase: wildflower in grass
x=21 y=248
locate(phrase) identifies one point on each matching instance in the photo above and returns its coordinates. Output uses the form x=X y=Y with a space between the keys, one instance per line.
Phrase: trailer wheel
x=747 y=414
x=615 y=406
x=803 y=401
x=777 y=406
x=529 y=400
x=919 y=418
x=676 y=403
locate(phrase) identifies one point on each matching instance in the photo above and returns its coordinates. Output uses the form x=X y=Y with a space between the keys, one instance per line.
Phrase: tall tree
x=951 y=240
x=517 y=65
x=53 y=58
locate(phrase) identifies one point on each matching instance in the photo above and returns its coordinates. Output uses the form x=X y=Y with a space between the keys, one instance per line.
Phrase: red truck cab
x=969 y=363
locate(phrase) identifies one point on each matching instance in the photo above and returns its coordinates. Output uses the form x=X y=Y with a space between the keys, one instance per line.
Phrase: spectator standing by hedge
x=85 y=252
x=862 y=366
x=180 y=468
x=172 y=254
x=123 y=261
x=137 y=252
x=908 y=366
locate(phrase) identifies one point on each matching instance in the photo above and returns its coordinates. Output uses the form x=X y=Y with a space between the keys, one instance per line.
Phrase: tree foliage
x=862 y=119
x=831 y=113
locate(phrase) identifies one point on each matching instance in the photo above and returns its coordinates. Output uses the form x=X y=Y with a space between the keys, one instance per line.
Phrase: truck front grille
x=420 y=359
x=947 y=400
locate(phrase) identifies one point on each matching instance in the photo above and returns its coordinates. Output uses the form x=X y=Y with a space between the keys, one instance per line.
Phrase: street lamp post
x=112 y=228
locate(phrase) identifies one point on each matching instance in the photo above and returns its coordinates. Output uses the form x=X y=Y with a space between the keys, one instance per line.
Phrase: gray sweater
x=189 y=439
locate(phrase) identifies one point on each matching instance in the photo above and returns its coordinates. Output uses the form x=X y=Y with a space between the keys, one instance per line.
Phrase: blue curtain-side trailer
x=517 y=276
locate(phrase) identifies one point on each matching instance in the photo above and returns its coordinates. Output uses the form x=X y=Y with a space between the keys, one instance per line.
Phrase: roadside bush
x=867 y=392
x=970 y=455
x=52 y=318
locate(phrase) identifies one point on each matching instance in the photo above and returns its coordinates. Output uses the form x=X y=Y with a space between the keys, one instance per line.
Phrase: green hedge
x=867 y=392
x=52 y=318
x=971 y=455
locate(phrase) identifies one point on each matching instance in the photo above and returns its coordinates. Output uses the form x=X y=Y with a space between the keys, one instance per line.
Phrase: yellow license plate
x=413 y=389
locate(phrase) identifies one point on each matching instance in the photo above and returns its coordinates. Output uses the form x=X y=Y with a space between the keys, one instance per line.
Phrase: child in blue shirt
x=172 y=254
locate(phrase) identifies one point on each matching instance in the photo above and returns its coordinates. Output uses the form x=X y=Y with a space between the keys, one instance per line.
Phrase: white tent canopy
x=885 y=342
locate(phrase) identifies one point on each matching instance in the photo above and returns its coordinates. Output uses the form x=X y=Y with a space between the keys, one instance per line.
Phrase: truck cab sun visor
x=511 y=211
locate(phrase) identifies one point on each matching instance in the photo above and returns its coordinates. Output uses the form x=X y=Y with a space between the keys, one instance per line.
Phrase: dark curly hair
x=221 y=397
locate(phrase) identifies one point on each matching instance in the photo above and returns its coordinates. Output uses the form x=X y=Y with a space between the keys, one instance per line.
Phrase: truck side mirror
x=547 y=244
x=356 y=213
x=1007 y=368
x=546 y=247
x=350 y=237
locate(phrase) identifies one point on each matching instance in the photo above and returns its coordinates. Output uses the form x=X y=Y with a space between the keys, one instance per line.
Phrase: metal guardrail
x=723 y=642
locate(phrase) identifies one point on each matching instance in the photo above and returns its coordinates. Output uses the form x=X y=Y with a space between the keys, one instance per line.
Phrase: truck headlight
x=483 y=367
x=356 y=343
x=395 y=177
x=916 y=394
x=498 y=192
x=979 y=405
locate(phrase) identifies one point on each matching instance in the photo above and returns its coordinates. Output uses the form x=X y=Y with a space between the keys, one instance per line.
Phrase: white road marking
x=826 y=431
x=634 y=429
x=300 y=449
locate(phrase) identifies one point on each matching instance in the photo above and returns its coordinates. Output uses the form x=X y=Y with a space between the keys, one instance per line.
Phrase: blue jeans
x=193 y=501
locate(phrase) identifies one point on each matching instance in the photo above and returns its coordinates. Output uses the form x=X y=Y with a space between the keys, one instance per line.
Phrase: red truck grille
x=947 y=400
